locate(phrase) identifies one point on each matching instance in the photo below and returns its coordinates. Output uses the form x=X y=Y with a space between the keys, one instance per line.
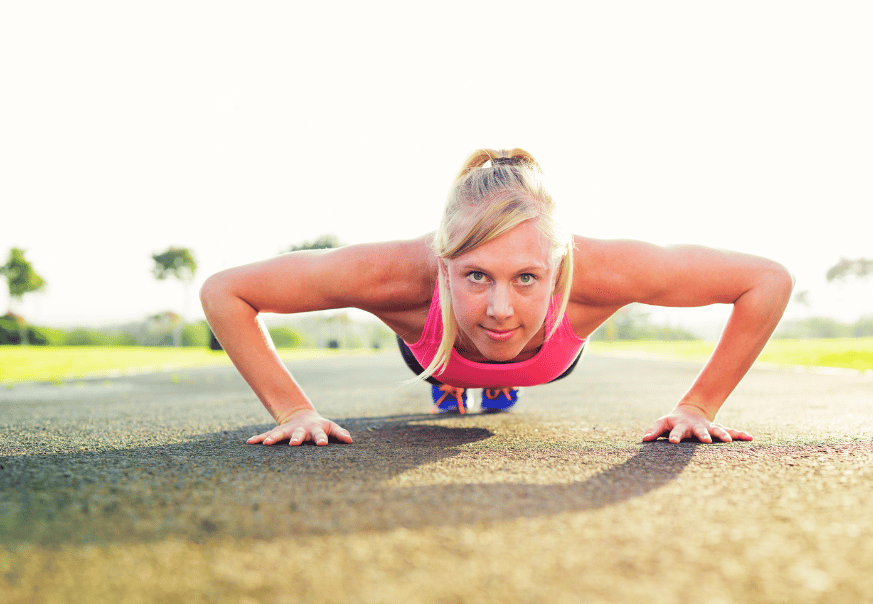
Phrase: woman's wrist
x=696 y=408
x=283 y=416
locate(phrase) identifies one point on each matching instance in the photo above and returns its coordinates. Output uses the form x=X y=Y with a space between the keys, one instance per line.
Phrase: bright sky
x=238 y=129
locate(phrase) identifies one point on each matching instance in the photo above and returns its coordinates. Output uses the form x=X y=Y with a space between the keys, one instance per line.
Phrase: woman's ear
x=444 y=271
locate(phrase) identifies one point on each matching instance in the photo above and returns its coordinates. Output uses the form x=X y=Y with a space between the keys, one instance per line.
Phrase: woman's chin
x=499 y=353
x=490 y=350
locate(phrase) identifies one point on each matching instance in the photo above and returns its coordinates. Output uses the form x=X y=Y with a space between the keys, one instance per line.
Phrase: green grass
x=59 y=363
x=56 y=364
x=846 y=353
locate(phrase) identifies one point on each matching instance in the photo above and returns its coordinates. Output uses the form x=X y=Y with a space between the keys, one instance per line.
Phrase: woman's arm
x=370 y=277
x=755 y=315
x=759 y=290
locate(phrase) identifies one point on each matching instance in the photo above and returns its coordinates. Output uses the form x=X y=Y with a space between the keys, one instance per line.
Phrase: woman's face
x=500 y=293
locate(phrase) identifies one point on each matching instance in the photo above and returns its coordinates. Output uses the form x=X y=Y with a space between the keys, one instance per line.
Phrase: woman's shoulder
x=607 y=251
x=601 y=280
x=395 y=281
x=392 y=274
x=608 y=273
x=597 y=262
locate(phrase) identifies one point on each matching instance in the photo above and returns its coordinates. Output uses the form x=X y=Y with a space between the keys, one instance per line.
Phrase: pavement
x=142 y=489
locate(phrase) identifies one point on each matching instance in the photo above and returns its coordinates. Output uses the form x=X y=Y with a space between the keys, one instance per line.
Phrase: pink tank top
x=553 y=359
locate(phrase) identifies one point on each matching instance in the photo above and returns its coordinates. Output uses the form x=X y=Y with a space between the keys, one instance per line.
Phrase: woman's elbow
x=782 y=282
x=213 y=290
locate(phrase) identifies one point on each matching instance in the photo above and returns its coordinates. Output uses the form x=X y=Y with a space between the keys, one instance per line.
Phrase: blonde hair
x=494 y=192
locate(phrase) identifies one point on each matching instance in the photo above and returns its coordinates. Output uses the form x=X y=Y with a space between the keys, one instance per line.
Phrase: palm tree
x=859 y=267
x=21 y=280
x=178 y=263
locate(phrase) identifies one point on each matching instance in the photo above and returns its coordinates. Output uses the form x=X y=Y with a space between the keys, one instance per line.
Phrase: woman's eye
x=526 y=279
x=477 y=276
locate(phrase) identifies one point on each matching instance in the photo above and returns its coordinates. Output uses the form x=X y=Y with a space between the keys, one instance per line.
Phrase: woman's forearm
x=754 y=318
x=236 y=325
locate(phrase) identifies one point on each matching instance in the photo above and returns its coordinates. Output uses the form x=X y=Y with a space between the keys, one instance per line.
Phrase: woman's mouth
x=501 y=335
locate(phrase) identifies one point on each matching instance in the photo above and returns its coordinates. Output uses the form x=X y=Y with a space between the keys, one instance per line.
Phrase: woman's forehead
x=524 y=246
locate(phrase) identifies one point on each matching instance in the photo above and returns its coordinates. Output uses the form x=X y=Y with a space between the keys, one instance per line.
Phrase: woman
x=499 y=297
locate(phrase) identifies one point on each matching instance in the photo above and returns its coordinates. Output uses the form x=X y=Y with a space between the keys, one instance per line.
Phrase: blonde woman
x=498 y=298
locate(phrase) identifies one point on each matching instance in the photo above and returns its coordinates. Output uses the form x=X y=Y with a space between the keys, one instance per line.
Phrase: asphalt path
x=142 y=489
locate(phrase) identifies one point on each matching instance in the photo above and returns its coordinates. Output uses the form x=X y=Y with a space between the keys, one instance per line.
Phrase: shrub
x=9 y=333
x=863 y=328
x=93 y=337
x=46 y=336
x=284 y=337
x=195 y=334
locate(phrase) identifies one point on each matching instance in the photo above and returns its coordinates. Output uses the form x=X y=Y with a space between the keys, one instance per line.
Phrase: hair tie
x=505 y=161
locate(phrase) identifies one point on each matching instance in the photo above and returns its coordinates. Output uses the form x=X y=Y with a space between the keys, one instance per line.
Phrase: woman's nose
x=500 y=303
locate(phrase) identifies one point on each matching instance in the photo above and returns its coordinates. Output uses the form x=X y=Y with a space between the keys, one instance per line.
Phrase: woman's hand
x=301 y=426
x=687 y=421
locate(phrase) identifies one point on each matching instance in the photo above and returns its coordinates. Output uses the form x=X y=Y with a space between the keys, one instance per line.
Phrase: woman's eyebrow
x=475 y=266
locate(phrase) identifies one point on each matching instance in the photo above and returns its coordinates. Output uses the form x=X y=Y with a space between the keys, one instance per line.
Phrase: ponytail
x=513 y=157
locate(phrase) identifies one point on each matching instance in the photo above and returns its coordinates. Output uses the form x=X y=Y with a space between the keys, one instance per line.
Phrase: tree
x=324 y=242
x=21 y=280
x=845 y=268
x=802 y=298
x=859 y=268
x=178 y=263
x=632 y=323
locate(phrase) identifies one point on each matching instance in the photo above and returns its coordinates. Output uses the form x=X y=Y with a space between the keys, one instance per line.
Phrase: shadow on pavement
x=216 y=486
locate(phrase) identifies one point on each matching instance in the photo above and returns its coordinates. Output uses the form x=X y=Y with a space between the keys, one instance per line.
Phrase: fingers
x=340 y=434
x=656 y=430
x=277 y=434
x=298 y=435
x=677 y=434
x=261 y=438
x=320 y=437
x=678 y=426
x=738 y=434
x=729 y=434
x=721 y=433
x=702 y=434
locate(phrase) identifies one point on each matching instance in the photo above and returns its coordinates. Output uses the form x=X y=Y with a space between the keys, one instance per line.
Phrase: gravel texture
x=142 y=489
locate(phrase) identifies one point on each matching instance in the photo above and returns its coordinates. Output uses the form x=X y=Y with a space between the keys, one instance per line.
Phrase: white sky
x=238 y=129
